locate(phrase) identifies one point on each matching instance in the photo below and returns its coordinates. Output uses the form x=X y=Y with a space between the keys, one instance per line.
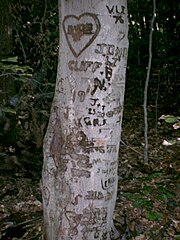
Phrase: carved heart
x=80 y=31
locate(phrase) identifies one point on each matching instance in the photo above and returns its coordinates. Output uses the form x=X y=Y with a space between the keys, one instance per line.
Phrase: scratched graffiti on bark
x=80 y=31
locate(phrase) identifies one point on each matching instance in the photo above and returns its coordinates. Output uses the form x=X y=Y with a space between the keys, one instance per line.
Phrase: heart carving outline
x=95 y=34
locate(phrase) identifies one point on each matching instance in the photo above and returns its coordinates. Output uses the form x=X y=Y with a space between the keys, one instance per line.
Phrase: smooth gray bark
x=79 y=180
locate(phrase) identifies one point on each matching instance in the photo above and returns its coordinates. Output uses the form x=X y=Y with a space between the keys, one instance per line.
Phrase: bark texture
x=79 y=179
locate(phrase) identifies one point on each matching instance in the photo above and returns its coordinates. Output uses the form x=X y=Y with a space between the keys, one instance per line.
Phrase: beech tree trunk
x=79 y=179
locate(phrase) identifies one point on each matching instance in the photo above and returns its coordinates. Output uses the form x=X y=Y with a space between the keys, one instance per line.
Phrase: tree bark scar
x=56 y=147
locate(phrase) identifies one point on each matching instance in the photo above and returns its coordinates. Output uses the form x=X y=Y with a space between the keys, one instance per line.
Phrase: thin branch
x=146 y=85
x=133 y=149
x=16 y=74
x=21 y=44
x=44 y=16
x=156 y=103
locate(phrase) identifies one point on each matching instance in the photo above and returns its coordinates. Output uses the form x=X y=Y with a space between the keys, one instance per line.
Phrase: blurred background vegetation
x=148 y=196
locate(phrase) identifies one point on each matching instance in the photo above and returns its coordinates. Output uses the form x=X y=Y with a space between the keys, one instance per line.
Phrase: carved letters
x=116 y=13
x=80 y=31
x=111 y=50
x=83 y=157
x=80 y=173
x=92 y=220
x=94 y=89
x=107 y=183
x=83 y=66
x=96 y=195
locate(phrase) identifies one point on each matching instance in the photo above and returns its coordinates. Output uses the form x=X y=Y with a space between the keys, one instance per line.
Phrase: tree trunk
x=79 y=179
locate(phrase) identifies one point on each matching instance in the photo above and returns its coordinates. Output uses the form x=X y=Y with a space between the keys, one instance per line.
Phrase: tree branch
x=146 y=85
x=21 y=44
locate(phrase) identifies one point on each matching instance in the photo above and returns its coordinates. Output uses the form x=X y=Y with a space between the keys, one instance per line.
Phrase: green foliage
x=30 y=74
x=170 y=123
x=139 y=201
x=5 y=29
x=146 y=190
x=164 y=193
x=155 y=175
x=154 y=216
x=8 y=110
x=36 y=33
x=10 y=65
x=152 y=191
x=171 y=119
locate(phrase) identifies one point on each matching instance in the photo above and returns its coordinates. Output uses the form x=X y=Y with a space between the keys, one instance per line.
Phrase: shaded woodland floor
x=148 y=197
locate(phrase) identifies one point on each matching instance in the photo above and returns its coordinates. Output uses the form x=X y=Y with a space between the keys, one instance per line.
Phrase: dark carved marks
x=74 y=220
x=112 y=148
x=76 y=199
x=116 y=13
x=98 y=115
x=98 y=84
x=108 y=183
x=80 y=31
x=80 y=173
x=94 y=220
x=76 y=141
x=56 y=147
x=97 y=195
x=94 y=195
x=83 y=66
x=46 y=195
x=111 y=50
x=108 y=73
x=63 y=191
x=75 y=148
x=94 y=122
x=82 y=96
x=118 y=18
x=108 y=76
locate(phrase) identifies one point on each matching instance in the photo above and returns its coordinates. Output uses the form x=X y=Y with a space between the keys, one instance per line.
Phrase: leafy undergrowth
x=148 y=195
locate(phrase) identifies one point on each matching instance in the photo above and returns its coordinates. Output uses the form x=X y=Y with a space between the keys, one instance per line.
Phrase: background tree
x=5 y=29
x=164 y=63
x=82 y=140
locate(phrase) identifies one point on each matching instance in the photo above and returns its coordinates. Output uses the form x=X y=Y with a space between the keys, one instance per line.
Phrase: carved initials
x=110 y=10
x=98 y=84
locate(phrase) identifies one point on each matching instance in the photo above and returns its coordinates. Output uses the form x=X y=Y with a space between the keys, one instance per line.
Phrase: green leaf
x=142 y=203
x=154 y=216
x=8 y=110
x=147 y=190
x=139 y=201
x=155 y=175
x=164 y=193
x=171 y=119
x=10 y=59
